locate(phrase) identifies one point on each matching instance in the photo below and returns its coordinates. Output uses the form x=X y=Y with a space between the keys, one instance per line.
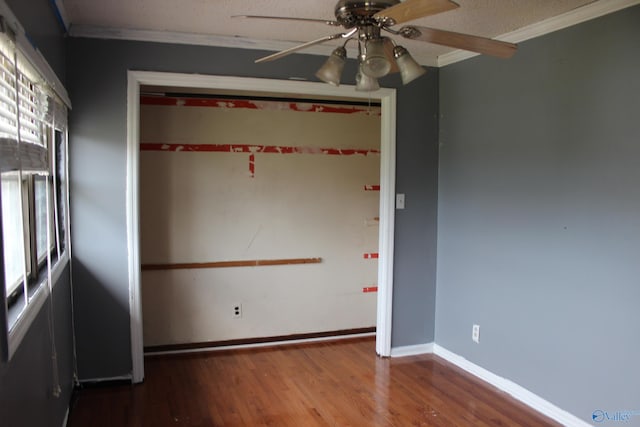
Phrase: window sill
x=19 y=328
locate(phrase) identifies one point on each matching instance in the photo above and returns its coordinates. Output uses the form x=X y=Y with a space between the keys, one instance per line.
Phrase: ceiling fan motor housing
x=352 y=13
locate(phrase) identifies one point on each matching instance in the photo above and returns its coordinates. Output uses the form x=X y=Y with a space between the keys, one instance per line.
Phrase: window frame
x=43 y=125
x=19 y=312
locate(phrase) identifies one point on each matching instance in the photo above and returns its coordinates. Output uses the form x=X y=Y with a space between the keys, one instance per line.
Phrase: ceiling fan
x=364 y=22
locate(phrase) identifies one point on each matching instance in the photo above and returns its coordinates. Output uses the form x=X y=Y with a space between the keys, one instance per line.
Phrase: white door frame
x=387 y=98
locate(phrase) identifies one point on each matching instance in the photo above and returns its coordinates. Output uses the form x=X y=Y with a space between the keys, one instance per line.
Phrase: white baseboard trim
x=259 y=345
x=66 y=418
x=102 y=380
x=412 y=350
x=518 y=392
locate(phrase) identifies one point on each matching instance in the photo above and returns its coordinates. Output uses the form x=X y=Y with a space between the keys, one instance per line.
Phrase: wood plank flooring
x=336 y=383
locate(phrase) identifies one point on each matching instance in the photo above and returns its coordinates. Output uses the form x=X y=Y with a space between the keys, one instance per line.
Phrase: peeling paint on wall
x=252 y=165
x=252 y=149
x=226 y=183
x=269 y=149
x=372 y=222
x=303 y=107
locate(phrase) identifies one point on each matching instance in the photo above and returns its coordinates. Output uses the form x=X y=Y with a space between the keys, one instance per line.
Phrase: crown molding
x=181 y=38
x=211 y=40
x=568 y=19
x=196 y=39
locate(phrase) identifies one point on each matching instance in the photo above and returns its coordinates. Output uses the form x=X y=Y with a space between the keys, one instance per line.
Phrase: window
x=33 y=189
x=13 y=239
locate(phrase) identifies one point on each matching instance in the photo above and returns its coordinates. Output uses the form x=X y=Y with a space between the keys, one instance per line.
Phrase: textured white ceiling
x=489 y=18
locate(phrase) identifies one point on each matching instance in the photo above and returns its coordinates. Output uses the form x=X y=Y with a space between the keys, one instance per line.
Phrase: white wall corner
x=133 y=227
x=518 y=392
x=412 y=350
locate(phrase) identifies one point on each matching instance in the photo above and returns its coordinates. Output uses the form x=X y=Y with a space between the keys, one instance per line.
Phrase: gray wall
x=414 y=273
x=96 y=72
x=539 y=231
x=26 y=392
x=26 y=382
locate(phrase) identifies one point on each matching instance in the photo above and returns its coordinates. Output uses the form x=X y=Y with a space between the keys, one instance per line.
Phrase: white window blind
x=23 y=110
x=8 y=114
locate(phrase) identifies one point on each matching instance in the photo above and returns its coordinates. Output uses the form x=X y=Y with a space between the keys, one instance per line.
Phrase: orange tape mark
x=372 y=255
x=368 y=289
x=371 y=188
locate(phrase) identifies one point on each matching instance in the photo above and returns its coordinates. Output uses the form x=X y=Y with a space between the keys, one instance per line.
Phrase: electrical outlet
x=475 y=333
x=237 y=311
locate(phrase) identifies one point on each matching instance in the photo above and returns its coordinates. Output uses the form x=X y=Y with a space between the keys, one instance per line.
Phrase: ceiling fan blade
x=284 y=18
x=460 y=41
x=291 y=50
x=413 y=9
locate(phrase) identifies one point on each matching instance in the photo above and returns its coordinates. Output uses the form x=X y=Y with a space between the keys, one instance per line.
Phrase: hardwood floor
x=337 y=383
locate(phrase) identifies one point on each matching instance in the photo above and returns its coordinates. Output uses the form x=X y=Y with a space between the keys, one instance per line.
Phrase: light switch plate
x=400 y=201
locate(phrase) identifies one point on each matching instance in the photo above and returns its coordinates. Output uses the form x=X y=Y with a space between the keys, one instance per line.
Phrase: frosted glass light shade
x=331 y=70
x=409 y=68
x=375 y=63
x=365 y=83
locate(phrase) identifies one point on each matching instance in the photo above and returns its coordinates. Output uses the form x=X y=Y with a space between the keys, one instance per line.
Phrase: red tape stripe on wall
x=246 y=148
x=304 y=107
x=252 y=165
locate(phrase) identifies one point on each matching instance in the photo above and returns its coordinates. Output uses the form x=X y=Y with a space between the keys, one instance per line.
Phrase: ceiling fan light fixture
x=409 y=68
x=331 y=70
x=375 y=63
x=365 y=83
x=365 y=20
